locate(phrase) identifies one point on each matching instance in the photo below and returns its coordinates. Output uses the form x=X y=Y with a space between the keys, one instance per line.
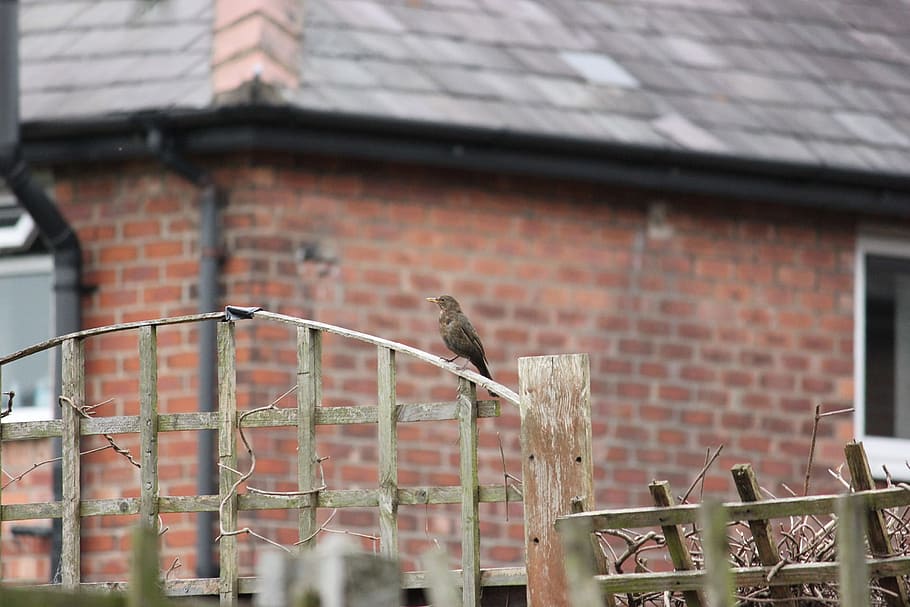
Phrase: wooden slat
x=853 y=576
x=632 y=518
x=330 y=498
x=791 y=575
x=716 y=545
x=879 y=539
x=749 y=491
x=388 y=453
x=556 y=462
x=208 y=420
x=148 y=427
x=309 y=398
x=470 y=494
x=676 y=545
x=580 y=567
x=227 y=458
x=144 y=588
x=73 y=388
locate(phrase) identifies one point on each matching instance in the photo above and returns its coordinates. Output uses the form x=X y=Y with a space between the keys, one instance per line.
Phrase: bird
x=459 y=334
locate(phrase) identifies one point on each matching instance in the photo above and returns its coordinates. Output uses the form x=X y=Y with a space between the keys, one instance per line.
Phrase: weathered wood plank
x=853 y=575
x=719 y=589
x=208 y=420
x=792 y=575
x=73 y=390
x=580 y=566
x=148 y=427
x=144 y=588
x=500 y=576
x=676 y=545
x=556 y=462
x=227 y=461
x=126 y=326
x=388 y=452
x=309 y=398
x=749 y=491
x=876 y=530
x=335 y=498
x=470 y=493
x=632 y=518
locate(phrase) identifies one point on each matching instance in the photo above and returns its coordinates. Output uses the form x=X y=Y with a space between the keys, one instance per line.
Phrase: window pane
x=887 y=364
x=25 y=319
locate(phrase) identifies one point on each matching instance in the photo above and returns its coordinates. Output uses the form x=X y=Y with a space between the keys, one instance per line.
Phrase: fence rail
x=228 y=421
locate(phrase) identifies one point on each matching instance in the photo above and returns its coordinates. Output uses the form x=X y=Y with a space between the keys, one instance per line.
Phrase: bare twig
x=86 y=412
x=175 y=565
x=701 y=474
x=13 y=479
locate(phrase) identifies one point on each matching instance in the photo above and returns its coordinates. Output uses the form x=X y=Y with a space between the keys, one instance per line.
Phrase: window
x=882 y=352
x=25 y=319
x=26 y=307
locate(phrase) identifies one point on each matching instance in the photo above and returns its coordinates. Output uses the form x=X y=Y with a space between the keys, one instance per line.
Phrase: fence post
x=853 y=573
x=309 y=396
x=555 y=403
x=73 y=363
x=719 y=579
x=227 y=460
x=388 y=453
x=148 y=426
x=470 y=493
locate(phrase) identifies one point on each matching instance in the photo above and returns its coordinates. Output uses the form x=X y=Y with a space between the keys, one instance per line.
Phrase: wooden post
x=879 y=540
x=555 y=404
x=749 y=491
x=309 y=396
x=227 y=458
x=388 y=453
x=853 y=573
x=333 y=574
x=145 y=583
x=676 y=544
x=470 y=493
x=719 y=580
x=580 y=565
x=148 y=427
x=73 y=362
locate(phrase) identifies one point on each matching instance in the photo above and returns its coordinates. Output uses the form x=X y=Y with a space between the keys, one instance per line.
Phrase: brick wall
x=714 y=322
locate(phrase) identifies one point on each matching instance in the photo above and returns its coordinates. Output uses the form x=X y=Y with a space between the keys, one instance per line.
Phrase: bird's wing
x=471 y=333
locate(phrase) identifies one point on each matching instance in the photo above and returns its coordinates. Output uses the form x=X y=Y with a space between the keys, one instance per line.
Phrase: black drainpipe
x=210 y=199
x=55 y=231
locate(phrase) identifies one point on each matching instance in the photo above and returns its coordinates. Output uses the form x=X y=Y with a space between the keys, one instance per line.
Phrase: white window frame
x=881 y=450
x=29 y=264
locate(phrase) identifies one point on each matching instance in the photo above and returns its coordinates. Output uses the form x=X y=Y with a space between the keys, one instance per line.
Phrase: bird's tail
x=481 y=365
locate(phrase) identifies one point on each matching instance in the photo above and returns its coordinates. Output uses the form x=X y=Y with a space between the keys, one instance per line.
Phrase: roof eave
x=292 y=129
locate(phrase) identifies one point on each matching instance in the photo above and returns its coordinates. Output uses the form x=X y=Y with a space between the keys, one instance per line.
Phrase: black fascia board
x=227 y=129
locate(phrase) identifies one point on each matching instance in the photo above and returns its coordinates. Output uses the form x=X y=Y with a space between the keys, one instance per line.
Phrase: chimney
x=257 y=38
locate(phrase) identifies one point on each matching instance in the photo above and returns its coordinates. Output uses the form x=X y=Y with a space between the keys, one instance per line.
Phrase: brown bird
x=459 y=334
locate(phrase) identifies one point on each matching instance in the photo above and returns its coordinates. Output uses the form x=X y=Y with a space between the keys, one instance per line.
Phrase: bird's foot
x=448 y=360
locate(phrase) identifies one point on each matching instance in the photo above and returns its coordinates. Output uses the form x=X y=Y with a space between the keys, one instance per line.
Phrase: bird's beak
x=434 y=300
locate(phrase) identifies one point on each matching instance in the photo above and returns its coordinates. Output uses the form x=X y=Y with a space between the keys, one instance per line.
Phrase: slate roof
x=813 y=82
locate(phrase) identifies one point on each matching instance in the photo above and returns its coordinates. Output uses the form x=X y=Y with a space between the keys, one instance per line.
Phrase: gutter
x=53 y=227
x=296 y=130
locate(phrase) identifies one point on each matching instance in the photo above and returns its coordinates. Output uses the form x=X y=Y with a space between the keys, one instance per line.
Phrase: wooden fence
x=859 y=520
x=547 y=383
